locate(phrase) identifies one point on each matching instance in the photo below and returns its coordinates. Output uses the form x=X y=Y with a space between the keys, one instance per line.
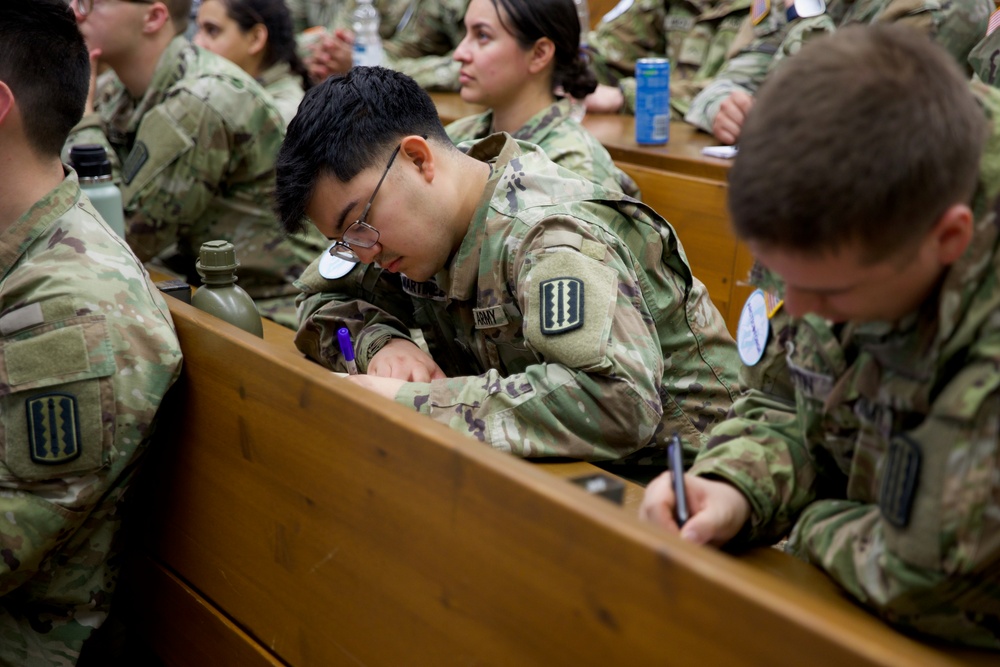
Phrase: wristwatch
x=805 y=9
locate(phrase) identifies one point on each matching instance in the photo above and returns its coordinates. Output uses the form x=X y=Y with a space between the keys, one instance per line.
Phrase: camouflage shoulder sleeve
x=935 y=570
x=593 y=393
x=624 y=36
x=985 y=59
x=430 y=72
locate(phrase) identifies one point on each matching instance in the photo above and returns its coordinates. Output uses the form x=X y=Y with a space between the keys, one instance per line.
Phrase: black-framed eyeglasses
x=360 y=234
x=85 y=7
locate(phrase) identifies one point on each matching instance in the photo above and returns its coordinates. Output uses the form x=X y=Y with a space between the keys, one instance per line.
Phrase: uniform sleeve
x=430 y=72
x=926 y=556
x=593 y=393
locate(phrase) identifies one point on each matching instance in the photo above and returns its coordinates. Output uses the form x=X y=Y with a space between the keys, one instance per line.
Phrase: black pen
x=676 y=462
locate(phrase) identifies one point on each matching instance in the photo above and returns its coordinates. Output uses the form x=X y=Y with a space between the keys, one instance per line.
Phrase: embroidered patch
x=134 y=162
x=759 y=10
x=331 y=267
x=490 y=318
x=53 y=428
x=899 y=481
x=561 y=304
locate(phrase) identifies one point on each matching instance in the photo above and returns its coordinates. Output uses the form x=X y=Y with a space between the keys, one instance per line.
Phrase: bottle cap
x=90 y=160
x=217 y=256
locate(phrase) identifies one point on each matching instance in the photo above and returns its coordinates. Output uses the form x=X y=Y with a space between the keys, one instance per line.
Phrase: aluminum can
x=652 y=100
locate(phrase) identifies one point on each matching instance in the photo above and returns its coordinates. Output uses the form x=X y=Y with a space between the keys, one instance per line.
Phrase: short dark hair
x=44 y=61
x=180 y=13
x=530 y=20
x=275 y=16
x=345 y=125
x=865 y=137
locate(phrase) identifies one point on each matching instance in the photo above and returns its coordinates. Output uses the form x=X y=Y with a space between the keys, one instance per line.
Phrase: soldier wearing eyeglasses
x=192 y=139
x=560 y=319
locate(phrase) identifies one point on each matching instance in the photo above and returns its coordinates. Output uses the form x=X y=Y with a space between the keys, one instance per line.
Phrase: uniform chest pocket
x=57 y=403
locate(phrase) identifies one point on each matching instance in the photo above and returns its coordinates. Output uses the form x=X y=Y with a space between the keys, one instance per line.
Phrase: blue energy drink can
x=652 y=100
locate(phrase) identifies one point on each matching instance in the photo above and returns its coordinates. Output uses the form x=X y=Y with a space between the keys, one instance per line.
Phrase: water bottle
x=367 y=42
x=578 y=109
x=220 y=295
x=92 y=166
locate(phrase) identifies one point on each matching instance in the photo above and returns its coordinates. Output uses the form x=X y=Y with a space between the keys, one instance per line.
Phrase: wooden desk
x=293 y=520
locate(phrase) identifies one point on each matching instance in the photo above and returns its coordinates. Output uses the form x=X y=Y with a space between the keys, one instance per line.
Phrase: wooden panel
x=182 y=627
x=339 y=528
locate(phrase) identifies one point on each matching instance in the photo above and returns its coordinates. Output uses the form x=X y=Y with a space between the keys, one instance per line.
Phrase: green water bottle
x=93 y=168
x=219 y=294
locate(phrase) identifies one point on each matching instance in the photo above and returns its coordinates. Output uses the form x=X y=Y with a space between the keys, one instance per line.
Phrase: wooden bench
x=681 y=184
x=296 y=520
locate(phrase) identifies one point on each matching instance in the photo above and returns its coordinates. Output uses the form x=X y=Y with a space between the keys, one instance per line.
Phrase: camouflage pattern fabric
x=695 y=35
x=878 y=446
x=985 y=58
x=565 y=141
x=423 y=49
x=955 y=24
x=195 y=161
x=568 y=322
x=333 y=14
x=285 y=88
x=88 y=352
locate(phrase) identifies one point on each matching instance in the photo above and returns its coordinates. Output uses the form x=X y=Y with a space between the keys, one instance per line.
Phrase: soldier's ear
x=420 y=152
x=543 y=53
x=156 y=16
x=6 y=101
x=257 y=39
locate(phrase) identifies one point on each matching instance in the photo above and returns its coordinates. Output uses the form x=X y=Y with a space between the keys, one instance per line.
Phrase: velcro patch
x=899 y=481
x=490 y=318
x=560 y=304
x=53 y=428
x=134 y=162
x=759 y=10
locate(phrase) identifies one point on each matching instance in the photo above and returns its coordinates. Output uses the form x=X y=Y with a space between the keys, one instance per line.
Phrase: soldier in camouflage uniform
x=419 y=38
x=561 y=319
x=883 y=458
x=520 y=63
x=778 y=33
x=695 y=35
x=89 y=351
x=193 y=140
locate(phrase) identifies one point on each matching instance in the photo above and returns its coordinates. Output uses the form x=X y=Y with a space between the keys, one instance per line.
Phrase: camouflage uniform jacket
x=985 y=58
x=195 y=160
x=88 y=352
x=955 y=24
x=424 y=47
x=695 y=35
x=565 y=141
x=826 y=444
x=568 y=322
x=285 y=88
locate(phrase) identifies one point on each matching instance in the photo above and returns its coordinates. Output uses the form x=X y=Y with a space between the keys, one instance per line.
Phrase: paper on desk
x=724 y=152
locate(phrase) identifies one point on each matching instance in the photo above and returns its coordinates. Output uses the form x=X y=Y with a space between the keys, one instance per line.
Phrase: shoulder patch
x=899 y=481
x=560 y=303
x=331 y=267
x=53 y=428
x=753 y=329
x=759 y=10
x=993 y=23
x=134 y=162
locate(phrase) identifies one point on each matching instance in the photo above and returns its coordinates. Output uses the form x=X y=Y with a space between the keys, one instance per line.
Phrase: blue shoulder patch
x=899 y=481
x=53 y=428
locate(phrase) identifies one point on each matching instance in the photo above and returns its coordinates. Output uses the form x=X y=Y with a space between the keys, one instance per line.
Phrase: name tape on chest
x=425 y=290
x=490 y=318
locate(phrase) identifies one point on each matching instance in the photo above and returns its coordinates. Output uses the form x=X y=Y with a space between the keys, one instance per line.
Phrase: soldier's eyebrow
x=343 y=215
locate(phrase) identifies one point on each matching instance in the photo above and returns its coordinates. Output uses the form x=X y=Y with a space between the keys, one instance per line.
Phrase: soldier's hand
x=606 y=99
x=403 y=360
x=733 y=112
x=718 y=510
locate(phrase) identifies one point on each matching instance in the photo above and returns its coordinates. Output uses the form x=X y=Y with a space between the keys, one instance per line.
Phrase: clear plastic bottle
x=577 y=107
x=367 y=41
x=220 y=295
x=92 y=166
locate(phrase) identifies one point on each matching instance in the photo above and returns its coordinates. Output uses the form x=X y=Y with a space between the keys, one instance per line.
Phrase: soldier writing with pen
x=548 y=304
x=876 y=440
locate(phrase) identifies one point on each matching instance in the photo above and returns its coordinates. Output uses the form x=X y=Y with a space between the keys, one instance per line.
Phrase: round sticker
x=331 y=267
x=753 y=329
